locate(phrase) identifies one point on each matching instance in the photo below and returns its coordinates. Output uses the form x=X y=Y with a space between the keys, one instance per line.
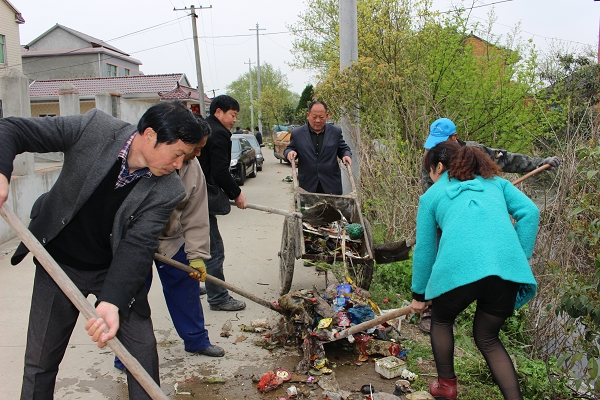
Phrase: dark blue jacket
x=324 y=167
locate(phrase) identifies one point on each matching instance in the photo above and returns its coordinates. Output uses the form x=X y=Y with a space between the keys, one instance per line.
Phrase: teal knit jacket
x=478 y=237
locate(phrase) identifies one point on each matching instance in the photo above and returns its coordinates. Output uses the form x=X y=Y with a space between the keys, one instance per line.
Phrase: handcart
x=302 y=240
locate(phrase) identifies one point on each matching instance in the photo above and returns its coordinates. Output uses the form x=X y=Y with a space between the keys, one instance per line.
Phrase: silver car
x=254 y=143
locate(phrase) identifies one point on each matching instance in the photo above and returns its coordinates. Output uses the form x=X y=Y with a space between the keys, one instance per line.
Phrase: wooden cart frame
x=292 y=238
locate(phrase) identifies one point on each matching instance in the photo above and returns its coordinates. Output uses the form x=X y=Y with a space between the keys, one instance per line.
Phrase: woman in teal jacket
x=481 y=256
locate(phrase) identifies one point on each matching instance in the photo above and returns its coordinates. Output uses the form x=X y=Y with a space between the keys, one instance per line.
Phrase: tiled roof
x=180 y=93
x=124 y=84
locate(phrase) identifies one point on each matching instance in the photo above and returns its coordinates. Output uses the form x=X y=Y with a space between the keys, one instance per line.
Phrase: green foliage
x=580 y=298
x=276 y=98
x=302 y=108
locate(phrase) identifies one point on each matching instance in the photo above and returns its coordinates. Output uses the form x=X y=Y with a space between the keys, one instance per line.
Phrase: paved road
x=252 y=240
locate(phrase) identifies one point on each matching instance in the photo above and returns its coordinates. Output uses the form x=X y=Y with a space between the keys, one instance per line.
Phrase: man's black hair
x=315 y=102
x=171 y=121
x=256 y=128
x=225 y=103
x=237 y=128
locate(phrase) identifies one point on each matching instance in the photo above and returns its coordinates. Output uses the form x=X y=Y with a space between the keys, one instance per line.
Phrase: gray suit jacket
x=324 y=167
x=91 y=144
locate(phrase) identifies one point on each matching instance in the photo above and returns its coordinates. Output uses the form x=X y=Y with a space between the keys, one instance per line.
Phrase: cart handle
x=360 y=216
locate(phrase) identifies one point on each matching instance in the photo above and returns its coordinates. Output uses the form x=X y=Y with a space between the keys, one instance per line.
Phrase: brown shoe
x=425 y=324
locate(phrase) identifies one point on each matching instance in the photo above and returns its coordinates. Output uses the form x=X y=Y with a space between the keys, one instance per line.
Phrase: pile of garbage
x=314 y=319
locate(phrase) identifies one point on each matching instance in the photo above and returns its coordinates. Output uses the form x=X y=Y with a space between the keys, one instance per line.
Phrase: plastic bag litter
x=329 y=383
x=269 y=381
x=360 y=314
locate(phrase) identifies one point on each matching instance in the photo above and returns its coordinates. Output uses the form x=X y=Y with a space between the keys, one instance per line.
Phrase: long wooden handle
x=294 y=174
x=76 y=297
x=219 y=282
x=374 y=322
x=271 y=210
x=532 y=173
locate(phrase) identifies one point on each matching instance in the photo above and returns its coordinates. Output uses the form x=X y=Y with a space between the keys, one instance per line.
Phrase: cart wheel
x=287 y=256
x=365 y=271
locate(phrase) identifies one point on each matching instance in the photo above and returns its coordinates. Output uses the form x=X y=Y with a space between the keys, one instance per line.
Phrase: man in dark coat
x=100 y=222
x=258 y=135
x=318 y=145
x=215 y=161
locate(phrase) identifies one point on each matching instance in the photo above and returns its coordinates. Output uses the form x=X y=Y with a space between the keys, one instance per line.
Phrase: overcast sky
x=227 y=43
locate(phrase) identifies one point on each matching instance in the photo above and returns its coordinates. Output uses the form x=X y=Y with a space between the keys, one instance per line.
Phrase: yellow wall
x=53 y=108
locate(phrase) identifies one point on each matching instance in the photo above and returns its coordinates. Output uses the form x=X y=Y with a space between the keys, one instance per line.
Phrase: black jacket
x=215 y=158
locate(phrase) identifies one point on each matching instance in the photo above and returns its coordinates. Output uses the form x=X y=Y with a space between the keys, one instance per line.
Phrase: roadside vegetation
x=415 y=66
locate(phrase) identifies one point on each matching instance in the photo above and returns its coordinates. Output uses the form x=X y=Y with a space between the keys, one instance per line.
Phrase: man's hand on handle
x=198 y=265
x=109 y=317
x=240 y=201
x=347 y=160
x=4 y=185
x=292 y=156
x=554 y=162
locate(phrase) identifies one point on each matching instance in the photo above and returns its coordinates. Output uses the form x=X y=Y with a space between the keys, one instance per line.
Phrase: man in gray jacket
x=100 y=222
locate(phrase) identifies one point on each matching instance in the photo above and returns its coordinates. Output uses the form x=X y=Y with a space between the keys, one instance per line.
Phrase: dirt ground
x=252 y=241
x=349 y=374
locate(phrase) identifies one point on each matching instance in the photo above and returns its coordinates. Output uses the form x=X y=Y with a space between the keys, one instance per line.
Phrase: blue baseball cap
x=440 y=130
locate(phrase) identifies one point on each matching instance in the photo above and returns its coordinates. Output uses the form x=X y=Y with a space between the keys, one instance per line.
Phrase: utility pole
x=251 y=106
x=258 y=75
x=197 y=51
x=348 y=54
x=213 y=91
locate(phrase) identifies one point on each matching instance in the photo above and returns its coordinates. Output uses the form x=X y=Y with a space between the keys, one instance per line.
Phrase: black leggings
x=495 y=303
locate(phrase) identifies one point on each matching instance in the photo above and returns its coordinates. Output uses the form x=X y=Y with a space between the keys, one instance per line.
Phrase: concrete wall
x=59 y=39
x=10 y=29
x=120 y=64
x=38 y=109
x=132 y=110
x=61 y=67
x=24 y=190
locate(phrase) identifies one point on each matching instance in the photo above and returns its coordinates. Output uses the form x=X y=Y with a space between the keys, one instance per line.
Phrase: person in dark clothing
x=100 y=222
x=318 y=145
x=238 y=130
x=258 y=135
x=215 y=161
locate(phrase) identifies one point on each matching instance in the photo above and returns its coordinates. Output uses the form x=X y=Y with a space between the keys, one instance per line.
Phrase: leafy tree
x=305 y=98
x=275 y=96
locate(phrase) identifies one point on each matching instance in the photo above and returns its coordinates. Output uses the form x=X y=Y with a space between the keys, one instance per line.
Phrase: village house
x=10 y=48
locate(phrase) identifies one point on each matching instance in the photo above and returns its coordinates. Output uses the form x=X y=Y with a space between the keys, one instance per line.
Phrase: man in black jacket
x=215 y=161
x=318 y=145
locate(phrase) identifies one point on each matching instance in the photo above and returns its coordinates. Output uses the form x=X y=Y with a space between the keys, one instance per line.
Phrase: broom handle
x=219 y=282
x=532 y=173
x=68 y=287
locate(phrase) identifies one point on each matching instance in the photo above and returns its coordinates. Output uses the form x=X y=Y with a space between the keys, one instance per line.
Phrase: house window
x=2 y=49
x=111 y=70
x=127 y=72
x=46 y=115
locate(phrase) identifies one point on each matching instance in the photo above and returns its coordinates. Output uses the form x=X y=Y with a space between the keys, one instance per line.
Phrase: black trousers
x=495 y=303
x=52 y=319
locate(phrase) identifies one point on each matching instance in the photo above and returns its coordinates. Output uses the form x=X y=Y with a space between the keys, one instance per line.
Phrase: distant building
x=135 y=94
x=10 y=49
x=64 y=53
